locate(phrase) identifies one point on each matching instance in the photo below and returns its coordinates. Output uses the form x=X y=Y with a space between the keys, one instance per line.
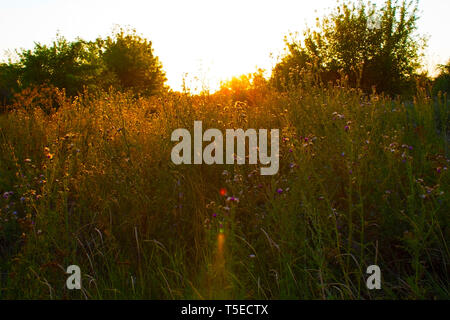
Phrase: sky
x=202 y=41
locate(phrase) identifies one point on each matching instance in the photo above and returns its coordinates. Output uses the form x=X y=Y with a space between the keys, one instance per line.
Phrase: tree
x=9 y=76
x=131 y=58
x=69 y=65
x=371 y=47
x=124 y=61
x=250 y=88
x=442 y=82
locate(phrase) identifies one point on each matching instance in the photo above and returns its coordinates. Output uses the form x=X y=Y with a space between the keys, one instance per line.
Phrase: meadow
x=363 y=180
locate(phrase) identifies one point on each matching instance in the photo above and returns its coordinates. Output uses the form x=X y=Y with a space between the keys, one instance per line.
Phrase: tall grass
x=363 y=180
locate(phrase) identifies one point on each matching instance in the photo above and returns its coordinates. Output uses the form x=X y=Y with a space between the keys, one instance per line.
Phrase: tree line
x=124 y=60
x=372 y=48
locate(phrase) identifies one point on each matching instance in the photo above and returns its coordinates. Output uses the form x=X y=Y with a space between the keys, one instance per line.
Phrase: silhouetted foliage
x=69 y=65
x=9 y=76
x=124 y=61
x=370 y=47
x=131 y=58
x=442 y=82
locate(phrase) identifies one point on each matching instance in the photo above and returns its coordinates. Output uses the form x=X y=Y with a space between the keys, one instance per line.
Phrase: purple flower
x=233 y=199
x=279 y=191
x=6 y=195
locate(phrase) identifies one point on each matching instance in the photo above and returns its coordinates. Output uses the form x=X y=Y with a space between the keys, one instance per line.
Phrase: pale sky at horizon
x=208 y=39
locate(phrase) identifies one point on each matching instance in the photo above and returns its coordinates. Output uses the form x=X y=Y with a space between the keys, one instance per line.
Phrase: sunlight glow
x=203 y=41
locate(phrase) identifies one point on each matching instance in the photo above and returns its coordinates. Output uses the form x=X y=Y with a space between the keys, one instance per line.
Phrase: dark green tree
x=9 y=81
x=442 y=82
x=124 y=61
x=131 y=58
x=372 y=47
x=64 y=64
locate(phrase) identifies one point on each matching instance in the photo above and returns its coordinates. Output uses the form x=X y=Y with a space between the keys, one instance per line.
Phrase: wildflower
x=6 y=195
x=225 y=172
x=343 y=154
x=279 y=191
x=233 y=199
x=28 y=160
x=337 y=116
x=214 y=214
x=292 y=165
x=210 y=205
x=252 y=256
x=223 y=192
x=346 y=128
